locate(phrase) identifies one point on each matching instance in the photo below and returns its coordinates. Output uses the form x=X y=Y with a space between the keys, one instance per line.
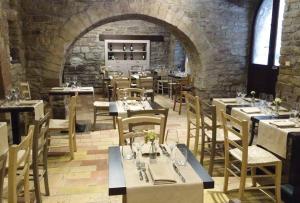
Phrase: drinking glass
x=172 y=140
x=127 y=153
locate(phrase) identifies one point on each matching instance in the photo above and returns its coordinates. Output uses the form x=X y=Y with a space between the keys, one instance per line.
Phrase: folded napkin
x=250 y=110
x=57 y=88
x=280 y=108
x=160 y=173
x=146 y=150
x=229 y=100
x=132 y=102
x=283 y=124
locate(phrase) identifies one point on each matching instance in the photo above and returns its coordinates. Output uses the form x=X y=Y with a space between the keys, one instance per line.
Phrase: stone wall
x=288 y=85
x=215 y=35
x=5 y=82
x=86 y=55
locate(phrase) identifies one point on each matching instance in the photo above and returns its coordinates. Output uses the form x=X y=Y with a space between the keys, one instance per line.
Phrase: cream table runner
x=141 y=192
x=3 y=138
x=131 y=105
x=274 y=138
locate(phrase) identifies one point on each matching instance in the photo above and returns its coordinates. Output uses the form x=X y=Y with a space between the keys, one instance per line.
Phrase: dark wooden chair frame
x=40 y=150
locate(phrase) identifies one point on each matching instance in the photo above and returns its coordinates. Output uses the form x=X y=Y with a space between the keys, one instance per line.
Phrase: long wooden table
x=116 y=178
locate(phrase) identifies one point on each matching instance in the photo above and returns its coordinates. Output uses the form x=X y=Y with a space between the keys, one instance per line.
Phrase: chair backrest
x=121 y=83
x=3 y=158
x=146 y=82
x=131 y=93
x=19 y=157
x=208 y=112
x=72 y=115
x=25 y=90
x=139 y=121
x=193 y=109
x=40 y=138
x=150 y=112
x=240 y=129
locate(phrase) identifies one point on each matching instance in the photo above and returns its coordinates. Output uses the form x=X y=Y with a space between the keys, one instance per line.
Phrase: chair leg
x=180 y=104
x=114 y=122
x=37 y=188
x=253 y=173
x=188 y=137
x=278 y=171
x=95 y=118
x=175 y=99
x=226 y=173
x=242 y=180
x=26 y=187
x=71 y=147
x=202 y=145
x=45 y=165
x=212 y=157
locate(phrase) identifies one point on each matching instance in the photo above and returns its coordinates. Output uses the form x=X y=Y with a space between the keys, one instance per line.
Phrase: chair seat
x=220 y=135
x=58 y=124
x=101 y=104
x=256 y=155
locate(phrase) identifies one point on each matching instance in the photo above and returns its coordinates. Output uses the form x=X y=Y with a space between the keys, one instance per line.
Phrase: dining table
x=122 y=180
x=119 y=108
x=282 y=141
x=15 y=108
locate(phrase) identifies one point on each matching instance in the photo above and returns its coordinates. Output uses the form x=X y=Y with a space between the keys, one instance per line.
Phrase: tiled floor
x=85 y=179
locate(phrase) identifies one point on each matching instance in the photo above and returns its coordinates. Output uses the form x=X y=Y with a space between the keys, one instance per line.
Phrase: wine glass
x=172 y=140
x=138 y=143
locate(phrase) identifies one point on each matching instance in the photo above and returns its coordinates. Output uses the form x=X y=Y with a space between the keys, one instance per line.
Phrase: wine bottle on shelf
x=131 y=56
x=112 y=57
x=124 y=47
x=144 y=57
x=144 y=47
x=131 y=47
x=125 y=56
x=110 y=47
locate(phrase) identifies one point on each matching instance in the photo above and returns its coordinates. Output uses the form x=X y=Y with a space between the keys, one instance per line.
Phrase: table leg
x=15 y=127
x=252 y=132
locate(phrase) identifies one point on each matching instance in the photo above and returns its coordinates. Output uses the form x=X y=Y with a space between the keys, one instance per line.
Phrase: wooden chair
x=193 y=120
x=152 y=112
x=131 y=93
x=119 y=83
x=183 y=86
x=66 y=125
x=147 y=84
x=40 y=156
x=212 y=135
x=138 y=121
x=3 y=158
x=249 y=157
x=101 y=108
x=18 y=168
x=25 y=90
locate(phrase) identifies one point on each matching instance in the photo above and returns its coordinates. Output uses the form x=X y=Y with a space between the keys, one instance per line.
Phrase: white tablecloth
x=221 y=104
x=142 y=192
x=274 y=138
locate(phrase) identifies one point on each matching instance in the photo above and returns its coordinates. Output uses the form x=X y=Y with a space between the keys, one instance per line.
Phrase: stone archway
x=181 y=26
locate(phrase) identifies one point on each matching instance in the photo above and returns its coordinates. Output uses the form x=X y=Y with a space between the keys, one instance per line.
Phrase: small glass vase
x=276 y=110
x=152 y=152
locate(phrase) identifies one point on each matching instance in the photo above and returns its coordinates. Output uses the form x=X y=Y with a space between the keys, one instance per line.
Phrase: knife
x=164 y=150
x=178 y=172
